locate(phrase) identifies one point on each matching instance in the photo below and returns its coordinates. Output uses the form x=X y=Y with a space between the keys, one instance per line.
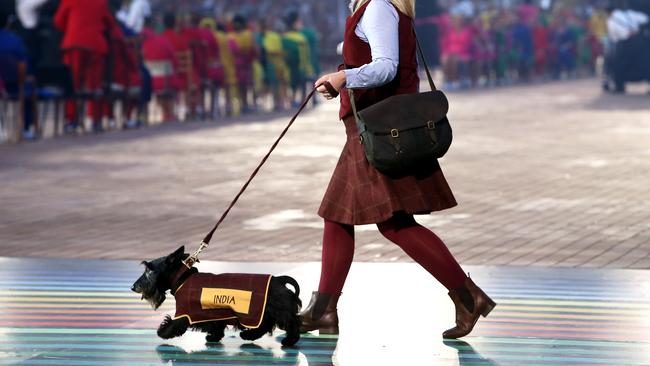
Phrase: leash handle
x=330 y=89
x=191 y=260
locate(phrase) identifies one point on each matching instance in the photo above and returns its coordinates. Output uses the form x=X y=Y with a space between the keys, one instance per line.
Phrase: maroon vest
x=357 y=53
x=208 y=297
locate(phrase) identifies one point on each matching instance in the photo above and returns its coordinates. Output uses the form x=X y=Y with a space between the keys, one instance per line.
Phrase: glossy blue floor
x=69 y=312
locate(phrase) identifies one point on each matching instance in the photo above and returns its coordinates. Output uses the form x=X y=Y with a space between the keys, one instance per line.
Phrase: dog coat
x=208 y=297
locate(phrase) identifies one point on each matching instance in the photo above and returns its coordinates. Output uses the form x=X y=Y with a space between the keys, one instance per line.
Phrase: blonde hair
x=405 y=6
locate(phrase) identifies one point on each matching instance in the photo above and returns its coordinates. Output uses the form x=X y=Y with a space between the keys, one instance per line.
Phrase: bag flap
x=405 y=111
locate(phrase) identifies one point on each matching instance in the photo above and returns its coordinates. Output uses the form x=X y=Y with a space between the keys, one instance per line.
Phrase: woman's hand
x=337 y=80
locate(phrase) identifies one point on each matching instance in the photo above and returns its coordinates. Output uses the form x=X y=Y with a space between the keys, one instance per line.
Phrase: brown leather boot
x=471 y=302
x=321 y=314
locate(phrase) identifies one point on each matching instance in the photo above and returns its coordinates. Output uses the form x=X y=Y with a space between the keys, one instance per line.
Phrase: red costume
x=213 y=56
x=205 y=297
x=124 y=75
x=160 y=59
x=199 y=47
x=186 y=76
x=126 y=67
x=245 y=54
x=85 y=24
x=541 y=46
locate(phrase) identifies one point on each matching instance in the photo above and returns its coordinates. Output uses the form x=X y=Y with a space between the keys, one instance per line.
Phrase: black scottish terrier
x=170 y=274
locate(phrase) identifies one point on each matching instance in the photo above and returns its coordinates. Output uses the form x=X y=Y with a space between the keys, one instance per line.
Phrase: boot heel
x=329 y=330
x=488 y=308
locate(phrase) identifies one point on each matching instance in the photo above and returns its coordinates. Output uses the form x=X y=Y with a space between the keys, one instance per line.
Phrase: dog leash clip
x=194 y=258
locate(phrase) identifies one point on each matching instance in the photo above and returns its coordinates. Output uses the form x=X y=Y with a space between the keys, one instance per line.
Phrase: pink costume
x=457 y=42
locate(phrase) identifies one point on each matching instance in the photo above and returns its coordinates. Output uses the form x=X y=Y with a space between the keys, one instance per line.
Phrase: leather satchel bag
x=405 y=134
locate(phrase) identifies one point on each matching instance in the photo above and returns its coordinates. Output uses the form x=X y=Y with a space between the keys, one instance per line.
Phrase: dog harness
x=205 y=297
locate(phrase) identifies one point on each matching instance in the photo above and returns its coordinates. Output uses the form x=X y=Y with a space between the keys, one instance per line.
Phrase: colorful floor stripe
x=78 y=313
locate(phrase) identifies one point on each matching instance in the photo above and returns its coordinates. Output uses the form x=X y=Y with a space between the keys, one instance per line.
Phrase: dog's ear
x=148 y=265
x=178 y=255
x=179 y=252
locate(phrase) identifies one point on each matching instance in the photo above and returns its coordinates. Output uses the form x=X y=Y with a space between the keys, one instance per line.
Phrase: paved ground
x=548 y=175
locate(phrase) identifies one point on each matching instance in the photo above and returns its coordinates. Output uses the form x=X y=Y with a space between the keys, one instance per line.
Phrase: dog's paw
x=164 y=335
x=167 y=330
x=289 y=341
x=213 y=338
x=248 y=335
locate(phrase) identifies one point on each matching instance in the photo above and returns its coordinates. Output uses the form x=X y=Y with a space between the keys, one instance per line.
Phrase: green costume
x=298 y=57
x=275 y=67
x=312 y=39
x=503 y=56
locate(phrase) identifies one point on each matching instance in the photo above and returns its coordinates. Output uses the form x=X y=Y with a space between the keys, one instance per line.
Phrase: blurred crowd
x=119 y=64
x=485 y=43
x=325 y=16
x=111 y=62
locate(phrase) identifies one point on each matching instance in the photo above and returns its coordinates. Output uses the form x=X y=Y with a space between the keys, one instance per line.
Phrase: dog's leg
x=171 y=328
x=253 y=334
x=215 y=331
x=283 y=306
x=292 y=327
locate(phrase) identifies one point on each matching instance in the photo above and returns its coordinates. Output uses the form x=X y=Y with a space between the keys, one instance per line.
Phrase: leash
x=205 y=243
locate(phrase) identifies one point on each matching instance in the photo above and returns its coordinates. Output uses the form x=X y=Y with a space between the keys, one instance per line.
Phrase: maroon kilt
x=358 y=194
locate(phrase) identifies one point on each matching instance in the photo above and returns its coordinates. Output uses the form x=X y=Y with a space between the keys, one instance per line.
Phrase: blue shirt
x=12 y=52
x=523 y=40
x=379 y=27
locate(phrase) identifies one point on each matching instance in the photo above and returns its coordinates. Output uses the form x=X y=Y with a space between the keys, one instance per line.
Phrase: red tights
x=418 y=242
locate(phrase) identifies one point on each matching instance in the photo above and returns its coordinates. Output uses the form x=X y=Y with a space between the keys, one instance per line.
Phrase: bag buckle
x=394 y=133
x=431 y=125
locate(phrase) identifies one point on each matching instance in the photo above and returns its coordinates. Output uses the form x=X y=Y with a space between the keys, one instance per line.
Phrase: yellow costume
x=227 y=58
x=245 y=56
x=598 y=24
x=272 y=43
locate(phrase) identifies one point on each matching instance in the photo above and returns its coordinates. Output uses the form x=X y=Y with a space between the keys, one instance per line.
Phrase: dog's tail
x=291 y=281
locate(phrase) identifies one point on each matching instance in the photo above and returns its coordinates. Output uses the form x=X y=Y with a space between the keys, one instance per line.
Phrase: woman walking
x=380 y=55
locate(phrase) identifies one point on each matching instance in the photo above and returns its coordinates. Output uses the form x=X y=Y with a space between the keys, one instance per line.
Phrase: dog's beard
x=155 y=299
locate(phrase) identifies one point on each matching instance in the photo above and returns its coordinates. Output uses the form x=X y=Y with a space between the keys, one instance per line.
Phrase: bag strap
x=432 y=84
x=192 y=259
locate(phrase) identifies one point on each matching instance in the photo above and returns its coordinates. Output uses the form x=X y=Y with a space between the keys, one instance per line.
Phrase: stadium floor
x=81 y=312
